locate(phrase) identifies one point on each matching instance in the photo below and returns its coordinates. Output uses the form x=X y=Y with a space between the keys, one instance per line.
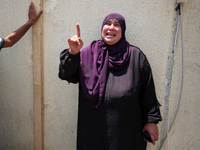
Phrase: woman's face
x=111 y=32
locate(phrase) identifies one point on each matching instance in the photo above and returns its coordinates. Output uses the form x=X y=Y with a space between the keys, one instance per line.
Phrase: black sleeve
x=150 y=104
x=69 y=66
x=1 y=42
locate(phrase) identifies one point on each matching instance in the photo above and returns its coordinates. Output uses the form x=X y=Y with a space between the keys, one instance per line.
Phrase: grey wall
x=16 y=92
x=150 y=26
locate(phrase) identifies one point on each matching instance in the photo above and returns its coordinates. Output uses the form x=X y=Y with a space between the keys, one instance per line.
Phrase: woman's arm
x=70 y=59
x=69 y=66
x=15 y=36
x=150 y=104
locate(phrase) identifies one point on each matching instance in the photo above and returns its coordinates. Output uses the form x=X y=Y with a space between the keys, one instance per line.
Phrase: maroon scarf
x=96 y=58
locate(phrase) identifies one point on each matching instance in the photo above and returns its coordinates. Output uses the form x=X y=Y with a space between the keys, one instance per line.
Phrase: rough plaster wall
x=16 y=102
x=184 y=133
x=149 y=26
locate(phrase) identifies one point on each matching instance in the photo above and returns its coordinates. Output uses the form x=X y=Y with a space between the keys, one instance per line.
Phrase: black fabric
x=1 y=43
x=130 y=102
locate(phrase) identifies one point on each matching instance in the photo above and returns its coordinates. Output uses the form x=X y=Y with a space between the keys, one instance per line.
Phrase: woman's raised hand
x=75 y=42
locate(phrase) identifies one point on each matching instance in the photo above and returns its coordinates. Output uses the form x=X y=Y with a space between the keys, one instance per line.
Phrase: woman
x=117 y=100
x=14 y=37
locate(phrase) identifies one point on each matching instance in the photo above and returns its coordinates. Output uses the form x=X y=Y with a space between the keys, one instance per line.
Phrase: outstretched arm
x=15 y=36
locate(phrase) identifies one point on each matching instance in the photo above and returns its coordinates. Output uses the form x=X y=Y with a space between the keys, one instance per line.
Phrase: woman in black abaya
x=117 y=100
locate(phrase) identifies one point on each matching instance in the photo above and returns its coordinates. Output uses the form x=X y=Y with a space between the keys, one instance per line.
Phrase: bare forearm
x=15 y=36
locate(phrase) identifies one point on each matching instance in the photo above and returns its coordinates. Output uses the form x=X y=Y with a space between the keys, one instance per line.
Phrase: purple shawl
x=96 y=58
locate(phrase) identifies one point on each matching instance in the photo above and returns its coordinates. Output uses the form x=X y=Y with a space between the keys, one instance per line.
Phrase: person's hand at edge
x=15 y=36
x=33 y=17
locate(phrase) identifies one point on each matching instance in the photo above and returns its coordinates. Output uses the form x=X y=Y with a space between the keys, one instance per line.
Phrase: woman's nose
x=112 y=26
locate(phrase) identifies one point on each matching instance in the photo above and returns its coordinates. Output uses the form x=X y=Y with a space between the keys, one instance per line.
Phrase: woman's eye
x=117 y=25
x=114 y=24
x=108 y=24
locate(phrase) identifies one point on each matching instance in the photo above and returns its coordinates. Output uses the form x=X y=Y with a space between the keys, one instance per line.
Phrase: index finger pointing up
x=78 y=30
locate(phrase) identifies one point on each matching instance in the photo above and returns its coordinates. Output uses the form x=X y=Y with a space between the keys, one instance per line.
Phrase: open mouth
x=110 y=35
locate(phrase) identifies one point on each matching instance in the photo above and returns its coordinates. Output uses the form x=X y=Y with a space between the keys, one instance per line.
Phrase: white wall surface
x=16 y=92
x=184 y=132
x=150 y=26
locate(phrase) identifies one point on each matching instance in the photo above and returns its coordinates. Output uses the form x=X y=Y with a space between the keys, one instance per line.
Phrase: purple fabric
x=95 y=60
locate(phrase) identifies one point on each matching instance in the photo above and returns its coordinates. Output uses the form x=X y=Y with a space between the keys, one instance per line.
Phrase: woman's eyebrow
x=116 y=21
x=108 y=21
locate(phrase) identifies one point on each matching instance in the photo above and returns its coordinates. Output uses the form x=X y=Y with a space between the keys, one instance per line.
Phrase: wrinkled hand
x=75 y=42
x=33 y=17
x=152 y=129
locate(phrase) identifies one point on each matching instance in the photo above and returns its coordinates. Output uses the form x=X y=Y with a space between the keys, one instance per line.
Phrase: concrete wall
x=150 y=26
x=16 y=92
